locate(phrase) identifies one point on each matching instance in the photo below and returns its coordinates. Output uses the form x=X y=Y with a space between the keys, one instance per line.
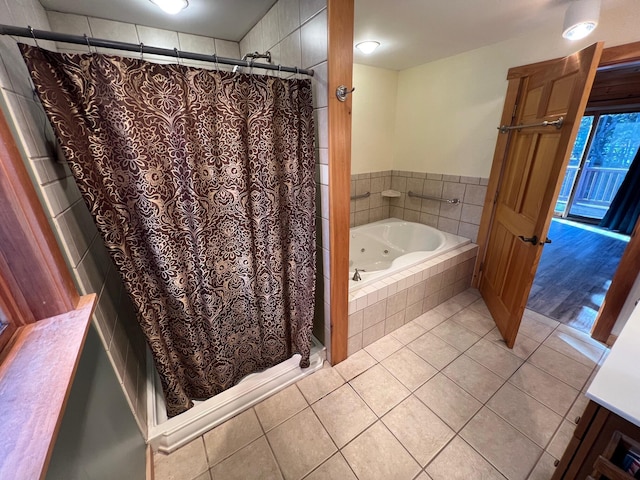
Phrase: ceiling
x=225 y=19
x=411 y=32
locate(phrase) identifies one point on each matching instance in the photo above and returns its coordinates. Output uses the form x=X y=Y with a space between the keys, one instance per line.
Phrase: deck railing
x=596 y=188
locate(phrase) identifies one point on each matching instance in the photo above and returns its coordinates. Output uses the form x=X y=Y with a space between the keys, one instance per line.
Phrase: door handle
x=546 y=240
x=532 y=240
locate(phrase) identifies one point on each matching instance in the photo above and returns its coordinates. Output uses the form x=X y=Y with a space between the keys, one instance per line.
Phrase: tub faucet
x=356 y=276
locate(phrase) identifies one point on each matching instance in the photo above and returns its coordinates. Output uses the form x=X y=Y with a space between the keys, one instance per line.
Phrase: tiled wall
x=379 y=309
x=295 y=32
x=461 y=219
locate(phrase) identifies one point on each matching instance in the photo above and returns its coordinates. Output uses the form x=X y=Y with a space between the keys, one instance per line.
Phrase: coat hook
x=342 y=91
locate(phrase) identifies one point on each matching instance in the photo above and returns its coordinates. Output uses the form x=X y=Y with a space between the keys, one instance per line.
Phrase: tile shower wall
x=461 y=219
x=295 y=32
x=115 y=317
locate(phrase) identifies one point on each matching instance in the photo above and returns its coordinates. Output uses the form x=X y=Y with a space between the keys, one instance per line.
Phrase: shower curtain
x=201 y=184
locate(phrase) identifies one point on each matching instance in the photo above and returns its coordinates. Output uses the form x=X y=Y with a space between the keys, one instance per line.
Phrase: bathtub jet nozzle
x=356 y=276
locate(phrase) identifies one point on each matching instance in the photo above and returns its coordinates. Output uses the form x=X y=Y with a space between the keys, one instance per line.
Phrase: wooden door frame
x=340 y=18
x=629 y=269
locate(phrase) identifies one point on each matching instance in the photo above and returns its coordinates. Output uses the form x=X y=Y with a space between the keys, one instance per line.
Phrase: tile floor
x=440 y=398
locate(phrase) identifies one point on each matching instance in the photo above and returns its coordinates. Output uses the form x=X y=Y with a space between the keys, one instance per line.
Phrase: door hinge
x=515 y=109
x=481 y=267
x=495 y=198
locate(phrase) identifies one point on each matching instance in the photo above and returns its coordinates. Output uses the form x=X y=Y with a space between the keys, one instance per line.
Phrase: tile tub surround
x=388 y=304
x=461 y=219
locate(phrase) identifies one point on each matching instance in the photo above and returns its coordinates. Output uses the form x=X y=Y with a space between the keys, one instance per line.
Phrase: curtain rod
x=141 y=48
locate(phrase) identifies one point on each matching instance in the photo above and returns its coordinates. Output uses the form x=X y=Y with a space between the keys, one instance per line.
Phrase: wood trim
x=340 y=17
x=26 y=240
x=495 y=177
x=629 y=52
x=35 y=381
x=621 y=285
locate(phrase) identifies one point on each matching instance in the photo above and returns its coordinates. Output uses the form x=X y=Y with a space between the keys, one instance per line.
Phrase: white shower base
x=167 y=434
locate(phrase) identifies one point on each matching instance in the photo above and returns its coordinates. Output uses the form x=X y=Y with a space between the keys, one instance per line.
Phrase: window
x=605 y=146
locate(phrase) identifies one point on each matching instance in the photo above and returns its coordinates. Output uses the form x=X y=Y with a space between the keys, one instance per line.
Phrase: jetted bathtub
x=381 y=249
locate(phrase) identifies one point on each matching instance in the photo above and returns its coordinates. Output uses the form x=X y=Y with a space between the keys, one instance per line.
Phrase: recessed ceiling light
x=581 y=19
x=367 y=47
x=171 y=6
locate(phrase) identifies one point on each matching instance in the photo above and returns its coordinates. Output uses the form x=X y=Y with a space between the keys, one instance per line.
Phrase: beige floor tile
x=423 y=476
x=523 y=346
x=447 y=400
x=231 y=436
x=513 y=454
x=496 y=359
x=561 y=439
x=577 y=409
x=481 y=307
x=379 y=389
x=319 y=384
x=544 y=469
x=430 y=319
x=585 y=337
x=355 y=365
x=384 y=347
x=336 y=468
x=474 y=321
x=434 y=350
x=344 y=414
x=533 y=328
x=205 y=476
x=538 y=317
x=458 y=461
x=560 y=366
x=479 y=381
x=550 y=391
x=585 y=353
x=418 y=429
x=449 y=308
x=280 y=407
x=467 y=297
x=300 y=444
x=409 y=368
x=377 y=455
x=253 y=462
x=455 y=335
x=185 y=463
x=525 y=413
x=409 y=332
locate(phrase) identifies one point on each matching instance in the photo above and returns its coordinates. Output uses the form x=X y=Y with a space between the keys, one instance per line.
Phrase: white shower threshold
x=168 y=434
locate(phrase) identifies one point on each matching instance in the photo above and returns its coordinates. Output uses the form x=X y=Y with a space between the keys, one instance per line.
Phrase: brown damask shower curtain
x=202 y=186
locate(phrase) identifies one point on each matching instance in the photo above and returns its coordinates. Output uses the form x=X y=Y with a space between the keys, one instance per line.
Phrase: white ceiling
x=225 y=19
x=411 y=32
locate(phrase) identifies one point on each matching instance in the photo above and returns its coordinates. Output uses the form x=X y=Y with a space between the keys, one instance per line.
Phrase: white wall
x=373 y=119
x=448 y=110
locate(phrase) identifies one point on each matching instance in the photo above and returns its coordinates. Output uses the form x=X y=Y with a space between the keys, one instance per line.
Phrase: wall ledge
x=35 y=379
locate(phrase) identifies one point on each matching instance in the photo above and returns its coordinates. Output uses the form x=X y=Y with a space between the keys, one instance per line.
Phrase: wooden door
x=532 y=164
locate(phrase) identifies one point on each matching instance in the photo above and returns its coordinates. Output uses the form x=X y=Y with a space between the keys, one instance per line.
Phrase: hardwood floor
x=574 y=273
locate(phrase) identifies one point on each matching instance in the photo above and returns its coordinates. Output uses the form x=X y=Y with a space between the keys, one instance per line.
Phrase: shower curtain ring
x=279 y=71
x=33 y=35
x=86 y=39
x=141 y=52
x=215 y=59
x=175 y=49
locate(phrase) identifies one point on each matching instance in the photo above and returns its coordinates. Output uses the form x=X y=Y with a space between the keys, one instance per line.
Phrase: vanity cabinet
x=599 y=444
